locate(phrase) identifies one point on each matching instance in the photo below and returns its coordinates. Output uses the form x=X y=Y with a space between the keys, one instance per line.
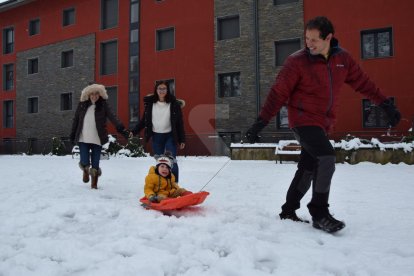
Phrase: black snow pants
x=317 y=166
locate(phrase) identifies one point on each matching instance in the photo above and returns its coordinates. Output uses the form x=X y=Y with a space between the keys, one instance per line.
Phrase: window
x=228 y=27
x=68 y=17
x=8 y=79
x=134 y=36
x=229 y=85
x=281 y=2
x=133 y=84
x=32 y=66
x=133 y=64
x=7 y=114
x=8 y=40
x=133 y=95
x=34 y=27
x=66 y=101
x=284 y=48
x=133 y=46
x=134 y=12
x=109 y=13
x=376 y=43
x=170 y=83
x=282 y=118
x=109 y=58
x=113 y=98
x=373 y=116
x=133 y=107
x=67 y=59
x=32 y=105
x=165 y=39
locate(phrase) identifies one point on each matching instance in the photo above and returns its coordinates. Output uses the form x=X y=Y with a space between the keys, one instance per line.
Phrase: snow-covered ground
x=53 y=224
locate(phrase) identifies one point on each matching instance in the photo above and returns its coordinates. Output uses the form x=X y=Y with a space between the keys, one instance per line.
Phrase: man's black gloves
x=392 y=112
x=252 y=133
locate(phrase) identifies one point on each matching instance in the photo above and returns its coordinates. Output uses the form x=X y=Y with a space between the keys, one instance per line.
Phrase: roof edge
x=11 y=4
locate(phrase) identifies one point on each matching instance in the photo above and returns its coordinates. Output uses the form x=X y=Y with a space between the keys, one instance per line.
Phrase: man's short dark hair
x=322 y=24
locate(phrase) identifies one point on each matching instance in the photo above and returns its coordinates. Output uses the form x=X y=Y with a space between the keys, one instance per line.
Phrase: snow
x=352 y=144
x=53 y=224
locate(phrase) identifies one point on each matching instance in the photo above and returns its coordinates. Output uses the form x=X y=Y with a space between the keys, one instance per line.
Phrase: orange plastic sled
x=181 y=202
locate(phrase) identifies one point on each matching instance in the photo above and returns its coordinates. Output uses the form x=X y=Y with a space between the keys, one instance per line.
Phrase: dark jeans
x=316 y=166
x=162 y=142
x=90 y=154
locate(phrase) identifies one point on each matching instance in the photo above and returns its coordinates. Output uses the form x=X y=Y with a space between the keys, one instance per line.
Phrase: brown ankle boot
x=95 y=173
x=85 y=170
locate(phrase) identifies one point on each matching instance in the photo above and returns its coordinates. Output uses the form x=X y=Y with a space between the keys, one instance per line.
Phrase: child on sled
x=160 y=182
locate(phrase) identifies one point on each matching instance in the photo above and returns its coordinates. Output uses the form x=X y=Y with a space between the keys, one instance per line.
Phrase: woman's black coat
x=177 y=124
x=102 y=113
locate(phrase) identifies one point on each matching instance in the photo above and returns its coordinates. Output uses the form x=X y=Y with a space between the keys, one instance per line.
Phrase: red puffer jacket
x=310 y=86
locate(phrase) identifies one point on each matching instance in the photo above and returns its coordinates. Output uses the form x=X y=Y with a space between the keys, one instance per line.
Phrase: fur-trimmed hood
x=91 y=89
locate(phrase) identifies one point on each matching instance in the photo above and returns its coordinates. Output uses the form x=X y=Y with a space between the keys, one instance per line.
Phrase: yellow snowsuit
x=160 y=186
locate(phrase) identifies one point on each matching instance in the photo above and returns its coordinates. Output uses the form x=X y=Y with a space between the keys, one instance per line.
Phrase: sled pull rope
x=222 y=167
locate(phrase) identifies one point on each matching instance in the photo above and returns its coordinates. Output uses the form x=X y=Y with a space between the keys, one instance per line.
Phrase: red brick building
x=221 y=58
x=364 y=23
x=134 y=44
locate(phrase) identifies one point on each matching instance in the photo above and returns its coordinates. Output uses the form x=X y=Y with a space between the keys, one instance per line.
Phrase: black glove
x=125 y=133
x=153 y=199
x=392 y=112
x=251 y=134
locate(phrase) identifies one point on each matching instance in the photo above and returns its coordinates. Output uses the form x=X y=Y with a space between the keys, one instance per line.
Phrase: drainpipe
x=256 y=52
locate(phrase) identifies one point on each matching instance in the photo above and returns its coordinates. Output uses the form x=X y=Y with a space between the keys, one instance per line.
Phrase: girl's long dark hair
x=168 y=97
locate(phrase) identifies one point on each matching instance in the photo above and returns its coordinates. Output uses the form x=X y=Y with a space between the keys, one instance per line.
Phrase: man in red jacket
x=309 y=84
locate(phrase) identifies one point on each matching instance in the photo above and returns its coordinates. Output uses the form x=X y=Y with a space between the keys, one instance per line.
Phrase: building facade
x=221 y=57
x=378 y=35
x=50 y=51
x=248 y=33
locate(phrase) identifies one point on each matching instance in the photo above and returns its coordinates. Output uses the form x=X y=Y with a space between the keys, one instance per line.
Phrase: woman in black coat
x=163 y=121
x=89 y=129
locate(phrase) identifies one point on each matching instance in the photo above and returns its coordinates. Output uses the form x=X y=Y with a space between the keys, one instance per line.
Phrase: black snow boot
x=292 y=216
x=328 y=223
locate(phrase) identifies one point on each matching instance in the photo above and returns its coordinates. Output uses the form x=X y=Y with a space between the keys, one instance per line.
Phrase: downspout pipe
x=256 y=54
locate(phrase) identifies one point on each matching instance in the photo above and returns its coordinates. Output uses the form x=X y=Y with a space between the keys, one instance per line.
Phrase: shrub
x=113 y=147
x=135 y=147
x=58 y=147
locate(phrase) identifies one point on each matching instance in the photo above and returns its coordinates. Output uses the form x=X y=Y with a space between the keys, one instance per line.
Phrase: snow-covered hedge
x=356 y=143
x=132 y=149
x=351 y=150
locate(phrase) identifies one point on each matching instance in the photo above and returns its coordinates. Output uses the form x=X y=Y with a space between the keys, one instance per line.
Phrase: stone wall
x=238 y=55
x=375 y=156
x=342 y=156
x=48 y=85
x=276 y=22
